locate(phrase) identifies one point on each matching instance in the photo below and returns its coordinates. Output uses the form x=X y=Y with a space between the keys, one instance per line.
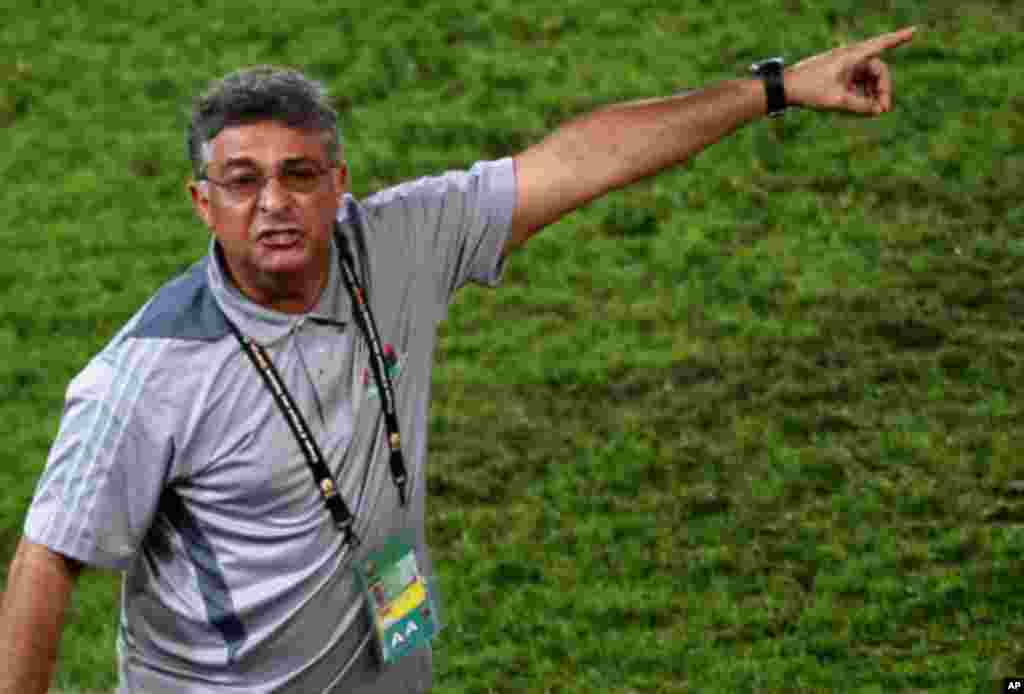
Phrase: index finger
x=875 y=46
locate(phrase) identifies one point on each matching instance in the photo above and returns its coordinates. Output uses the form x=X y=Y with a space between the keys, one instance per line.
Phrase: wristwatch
x=770 y=71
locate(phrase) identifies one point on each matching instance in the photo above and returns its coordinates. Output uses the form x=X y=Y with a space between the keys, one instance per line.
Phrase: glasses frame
x=233 y=192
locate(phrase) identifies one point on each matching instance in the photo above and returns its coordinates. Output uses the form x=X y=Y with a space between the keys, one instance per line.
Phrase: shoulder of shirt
x=183 y=312
x=183 y=309
x=425 y=187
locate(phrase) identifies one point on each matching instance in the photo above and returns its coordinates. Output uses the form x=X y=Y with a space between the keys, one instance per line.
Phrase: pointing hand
x=851 y=78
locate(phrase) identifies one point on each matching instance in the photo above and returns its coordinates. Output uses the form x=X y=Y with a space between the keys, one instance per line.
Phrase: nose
x=274 y=196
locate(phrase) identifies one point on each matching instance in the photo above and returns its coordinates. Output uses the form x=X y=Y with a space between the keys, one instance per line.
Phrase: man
x=250 y=448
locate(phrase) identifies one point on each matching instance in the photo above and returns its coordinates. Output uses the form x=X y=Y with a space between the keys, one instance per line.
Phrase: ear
x=340 y=178
x=201 y=201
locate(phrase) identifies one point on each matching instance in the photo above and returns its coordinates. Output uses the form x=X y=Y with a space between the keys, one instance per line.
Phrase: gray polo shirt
x=174 y=465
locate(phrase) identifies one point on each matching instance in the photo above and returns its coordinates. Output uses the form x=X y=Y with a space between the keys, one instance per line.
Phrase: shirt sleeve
x=459 y=220
x=105 y=472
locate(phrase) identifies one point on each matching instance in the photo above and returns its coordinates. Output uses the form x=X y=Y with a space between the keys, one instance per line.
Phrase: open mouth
x=280 y=238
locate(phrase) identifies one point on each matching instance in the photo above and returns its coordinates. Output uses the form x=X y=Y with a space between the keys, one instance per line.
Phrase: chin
x=299 y=259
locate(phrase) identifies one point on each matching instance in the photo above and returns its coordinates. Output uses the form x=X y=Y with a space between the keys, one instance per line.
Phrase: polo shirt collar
x=265 y=325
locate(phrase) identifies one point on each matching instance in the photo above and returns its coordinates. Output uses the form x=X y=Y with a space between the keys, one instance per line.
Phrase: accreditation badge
x=399 y=599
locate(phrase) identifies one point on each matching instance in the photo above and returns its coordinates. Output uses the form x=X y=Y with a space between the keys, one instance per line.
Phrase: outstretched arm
x=39 y=587
x=615 y=146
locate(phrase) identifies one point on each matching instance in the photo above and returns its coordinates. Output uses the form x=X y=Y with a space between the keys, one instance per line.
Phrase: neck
x=278 y=294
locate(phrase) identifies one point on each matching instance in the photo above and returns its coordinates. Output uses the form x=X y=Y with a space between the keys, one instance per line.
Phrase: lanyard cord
x=377 y=362
x=325 y=482
x=343 y=518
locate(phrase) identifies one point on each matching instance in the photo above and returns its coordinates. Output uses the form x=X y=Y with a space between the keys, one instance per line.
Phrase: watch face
x=768 y=66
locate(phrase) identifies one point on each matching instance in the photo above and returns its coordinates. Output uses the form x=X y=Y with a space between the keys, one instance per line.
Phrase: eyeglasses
x=247 y=184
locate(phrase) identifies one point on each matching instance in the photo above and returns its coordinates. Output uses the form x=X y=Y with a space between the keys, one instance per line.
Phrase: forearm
x=623 y=143
x=35 y=602
x=617 y=145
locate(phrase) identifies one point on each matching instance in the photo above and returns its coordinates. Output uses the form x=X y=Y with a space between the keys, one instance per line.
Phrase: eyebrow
x=238 y=162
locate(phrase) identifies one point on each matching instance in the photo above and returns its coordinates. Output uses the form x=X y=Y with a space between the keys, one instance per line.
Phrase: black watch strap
x=770 y=71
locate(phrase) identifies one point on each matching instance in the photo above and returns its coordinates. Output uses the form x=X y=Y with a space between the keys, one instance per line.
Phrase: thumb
x=856 y=101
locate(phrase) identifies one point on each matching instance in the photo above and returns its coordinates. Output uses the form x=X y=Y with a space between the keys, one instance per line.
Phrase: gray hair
x=263 y=92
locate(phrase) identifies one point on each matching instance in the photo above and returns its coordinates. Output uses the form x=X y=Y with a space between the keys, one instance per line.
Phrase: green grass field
x=752 y=426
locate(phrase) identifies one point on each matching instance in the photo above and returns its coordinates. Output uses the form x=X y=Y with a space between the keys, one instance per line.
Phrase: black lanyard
x=325 y=482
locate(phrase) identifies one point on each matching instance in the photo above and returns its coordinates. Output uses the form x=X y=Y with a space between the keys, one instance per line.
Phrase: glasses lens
x=245 y=185
x=300 y=180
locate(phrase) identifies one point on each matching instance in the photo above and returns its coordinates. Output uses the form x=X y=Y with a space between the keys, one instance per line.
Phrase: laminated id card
x=398 y=598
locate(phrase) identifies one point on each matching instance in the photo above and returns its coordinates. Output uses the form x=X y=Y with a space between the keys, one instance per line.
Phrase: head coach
x=250 y=448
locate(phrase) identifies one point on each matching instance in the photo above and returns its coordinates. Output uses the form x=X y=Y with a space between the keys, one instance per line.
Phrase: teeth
x=283 y=236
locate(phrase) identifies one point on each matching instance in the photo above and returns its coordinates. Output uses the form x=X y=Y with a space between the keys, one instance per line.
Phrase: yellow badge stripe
x=411 y=598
